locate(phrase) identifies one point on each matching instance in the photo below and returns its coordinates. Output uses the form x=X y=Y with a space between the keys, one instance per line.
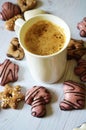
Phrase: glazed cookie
x=15 y=50
x=11 y=96
x=9 y=24
x=38 y=97
x=8 y=72
x=80 y=70
x=38 y=108
x=9 y=10
x=82 y=27
x=76 y=49
x=26 y=4
x=82 y=127
x=74 y=96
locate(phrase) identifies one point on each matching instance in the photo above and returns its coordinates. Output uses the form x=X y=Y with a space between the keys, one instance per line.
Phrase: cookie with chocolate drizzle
x=80 y=69
x=38 y=97
x=74 y=96
x=8 y=72
x=9 y=10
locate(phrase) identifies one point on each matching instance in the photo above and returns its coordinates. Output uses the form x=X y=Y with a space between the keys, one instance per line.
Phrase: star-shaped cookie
x=8 y=72
x=11 y=96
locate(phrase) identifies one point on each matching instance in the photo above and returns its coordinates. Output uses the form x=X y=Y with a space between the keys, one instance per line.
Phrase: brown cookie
x=26 y=4
x=82 y=27
x=80 y=70
x=15 y=50
x=9 y=24
x=76 y=49
x=8 y=72
x=9 y=10
x=38 y=97
x=11 y=96
x=74 y=96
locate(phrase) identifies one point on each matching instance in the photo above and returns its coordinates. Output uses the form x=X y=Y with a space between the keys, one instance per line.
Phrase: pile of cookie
x=11 y=12
x=77 y=50
x=74 y=92
x=39 y=96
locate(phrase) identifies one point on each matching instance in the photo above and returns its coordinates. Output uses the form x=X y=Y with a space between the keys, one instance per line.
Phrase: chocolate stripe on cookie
x=72 y=84
x=80 y=70
x=9 y=10
x=82 y=62
x=38 y=97
x=37 y=102
x=83 y=76
x=67 y=105
x=30 y=94
x=35 y=92
x=74 y=96
x=38 y=107
x=8 y=72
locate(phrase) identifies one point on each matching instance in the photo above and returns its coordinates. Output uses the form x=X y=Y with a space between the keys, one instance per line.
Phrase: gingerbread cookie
x=76 y=49
x=9 y=24
x=82 y=27
x=80 y=70
x=9 y=10
x=38 y=97
x=82 y=127
x=26 y=4
x=74 y=96
x=11 y=96
x=8 y=72
x=15 y=50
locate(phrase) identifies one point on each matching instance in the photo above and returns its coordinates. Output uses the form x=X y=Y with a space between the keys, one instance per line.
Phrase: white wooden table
x=72 y=11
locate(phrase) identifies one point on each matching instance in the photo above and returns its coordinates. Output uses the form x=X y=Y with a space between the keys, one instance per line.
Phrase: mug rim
x=49 y=55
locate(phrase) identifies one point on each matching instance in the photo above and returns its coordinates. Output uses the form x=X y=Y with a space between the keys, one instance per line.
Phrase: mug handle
x=18 y=24
x=31 y=13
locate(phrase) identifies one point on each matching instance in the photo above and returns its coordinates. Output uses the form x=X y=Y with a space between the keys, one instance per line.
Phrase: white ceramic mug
x=49 y=68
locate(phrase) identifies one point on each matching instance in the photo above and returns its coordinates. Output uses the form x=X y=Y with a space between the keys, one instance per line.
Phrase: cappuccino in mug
x=44 y=38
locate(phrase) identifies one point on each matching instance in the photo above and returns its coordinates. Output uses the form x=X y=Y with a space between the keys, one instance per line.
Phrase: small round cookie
x=80 y=70
x=9 y=10
x=74 y=96
x=26 y=4
x=8 y=72
x=76 y=49
x=82 y=27
x=15 y=50
x=38 y=97
x=11 y=96
x=82 y=127
x=9 y=24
